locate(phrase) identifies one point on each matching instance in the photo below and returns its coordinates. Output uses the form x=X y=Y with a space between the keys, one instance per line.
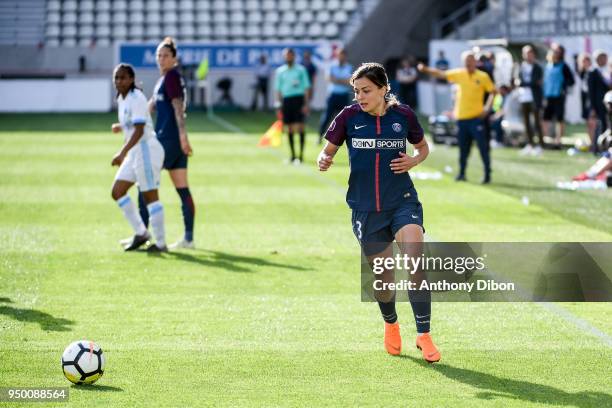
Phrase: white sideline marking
x=550 y=307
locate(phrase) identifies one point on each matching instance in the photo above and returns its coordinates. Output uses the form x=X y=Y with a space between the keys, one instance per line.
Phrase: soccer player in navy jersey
x=169 y=101
x=381 y=194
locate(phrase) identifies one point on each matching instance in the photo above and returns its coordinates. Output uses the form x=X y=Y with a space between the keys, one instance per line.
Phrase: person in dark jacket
x=599 y=83
x=529 y=80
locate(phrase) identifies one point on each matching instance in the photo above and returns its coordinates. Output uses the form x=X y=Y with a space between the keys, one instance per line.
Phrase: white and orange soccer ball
x=83 y=362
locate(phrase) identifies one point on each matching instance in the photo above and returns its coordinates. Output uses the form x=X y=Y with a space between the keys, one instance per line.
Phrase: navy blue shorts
x=375 y=228
x=174 y=158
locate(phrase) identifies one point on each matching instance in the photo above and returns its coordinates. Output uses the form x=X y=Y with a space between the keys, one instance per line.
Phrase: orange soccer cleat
x=428 y=348
x=393 y=339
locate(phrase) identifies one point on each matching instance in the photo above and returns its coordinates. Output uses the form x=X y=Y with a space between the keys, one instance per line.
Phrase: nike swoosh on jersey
x=359 y=127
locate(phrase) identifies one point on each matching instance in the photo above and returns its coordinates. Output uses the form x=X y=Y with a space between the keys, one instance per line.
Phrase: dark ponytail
x=168 y=43
x=376 y=73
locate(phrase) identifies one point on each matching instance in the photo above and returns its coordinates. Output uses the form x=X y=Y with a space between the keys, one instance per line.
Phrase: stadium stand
x=104 y=22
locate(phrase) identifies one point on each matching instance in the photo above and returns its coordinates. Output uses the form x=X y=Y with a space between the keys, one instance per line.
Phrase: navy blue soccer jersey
x=372 y=142
x=168 y=87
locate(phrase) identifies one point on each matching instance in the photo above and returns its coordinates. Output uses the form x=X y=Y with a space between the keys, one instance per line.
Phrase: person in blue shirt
x=169 y=101
x=292 y=95
x=557 y=78
x=385 y=205
x=339 y=90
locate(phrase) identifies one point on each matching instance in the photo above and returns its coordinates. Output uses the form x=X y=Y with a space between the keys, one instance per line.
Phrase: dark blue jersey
x=372 y=142
x=168 y=87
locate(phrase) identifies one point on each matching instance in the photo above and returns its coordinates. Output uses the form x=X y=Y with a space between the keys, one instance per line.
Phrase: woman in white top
x=140 y=161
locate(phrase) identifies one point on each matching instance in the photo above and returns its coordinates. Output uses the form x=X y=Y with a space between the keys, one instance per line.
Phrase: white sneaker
x=537 y=151
x=526 y=150
x=182 y=244
x=296 y=162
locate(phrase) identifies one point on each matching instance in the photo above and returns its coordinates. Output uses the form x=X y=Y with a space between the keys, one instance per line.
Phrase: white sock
x=131 y=214
x=156 y=219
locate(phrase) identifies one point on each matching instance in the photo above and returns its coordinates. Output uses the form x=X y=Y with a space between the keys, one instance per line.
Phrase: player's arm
x=326 y=157
x=490 y=88
x=404 y=163
x=136 y=135
x=151 y=105
x=434 y=72
x=179 y=115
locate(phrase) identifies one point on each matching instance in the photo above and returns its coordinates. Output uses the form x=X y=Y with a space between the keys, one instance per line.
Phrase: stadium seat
x=284 y=30
x=255 y=16
x=52 y=42
x=119 y=32
x=69 y=5
x=169 y=30
x=169 y=17
x=119 y=17
x=203 y=31
x=86 y=31
x=331 y=30
x=220 y=31
x=299 y=30
x=53 y=17
x=169 y=5
x=137 y=18
x=315 y=30
x=186 y=17
x=103 y=5
x=271 y=17
x=69 y=42
x=349 y=5
x=334 y=5
x=186 y=30
x=52 y=30
x=186 y=5
x=237 y=17
x=120 y=5
x=236 y=5
x=317 y=5
x=153 y=18
x=306 y=16
x=253 y=31
x=103 y=17
x=69 y=18
x=202 y=5
x=252 y=5
x=301 y=5
x=86 y=5
x=86 y=17
x=237 y=31
x=153 y=30
x=103 y=42
x=289 y=17
x=340 y=17
x=153 y=5
x=323 y=16
x=285 y=5
x=103 y=30
x=135 y=31
x=219 y=5
x=137 y=5
x=203 y=17
x=269 y=31
x=54 y=5
x=220 y=17
x=268 y=5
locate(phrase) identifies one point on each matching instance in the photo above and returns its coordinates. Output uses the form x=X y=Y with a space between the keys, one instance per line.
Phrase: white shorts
x=143 y=165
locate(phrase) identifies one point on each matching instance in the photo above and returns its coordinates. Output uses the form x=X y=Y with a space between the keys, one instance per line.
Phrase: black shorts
x=292 y=109
x=375 y=230
x=174 y=157
x=554 y=108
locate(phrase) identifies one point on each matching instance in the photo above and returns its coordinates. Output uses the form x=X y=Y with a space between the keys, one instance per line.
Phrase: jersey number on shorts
x=358 y=229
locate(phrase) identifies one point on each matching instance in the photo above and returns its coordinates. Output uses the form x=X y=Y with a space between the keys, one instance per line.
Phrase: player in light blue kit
x=140 y=161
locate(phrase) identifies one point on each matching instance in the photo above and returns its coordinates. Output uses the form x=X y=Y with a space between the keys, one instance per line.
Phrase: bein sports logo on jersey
x=378 y=143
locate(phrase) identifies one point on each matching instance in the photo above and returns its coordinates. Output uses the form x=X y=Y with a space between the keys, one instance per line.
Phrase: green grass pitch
x=266 y=311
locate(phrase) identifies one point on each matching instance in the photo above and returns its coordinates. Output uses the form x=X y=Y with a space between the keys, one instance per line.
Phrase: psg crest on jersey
x=397 y=127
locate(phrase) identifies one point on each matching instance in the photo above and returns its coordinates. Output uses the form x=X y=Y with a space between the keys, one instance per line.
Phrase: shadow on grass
x=519 y=187
x=499 y=387
x=230 y=262
x=46 y=321
x=95 y=388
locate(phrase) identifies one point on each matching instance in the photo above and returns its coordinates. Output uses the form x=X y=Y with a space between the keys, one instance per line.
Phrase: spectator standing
x=598 y=85
x=262 y=78
x=339 y=90
x=407 y=76
x=529 y=80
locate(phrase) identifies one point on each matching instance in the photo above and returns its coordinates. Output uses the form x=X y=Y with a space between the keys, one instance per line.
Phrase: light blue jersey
x=291 y=81
x=338 y=71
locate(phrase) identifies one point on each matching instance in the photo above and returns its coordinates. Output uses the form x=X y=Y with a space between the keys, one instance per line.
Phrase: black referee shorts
x=292 y=109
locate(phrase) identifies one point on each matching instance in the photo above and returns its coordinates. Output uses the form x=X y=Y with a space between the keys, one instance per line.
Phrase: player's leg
x=291 y=129
x=464 y=139
x=374 y=235
x=483 y=148
x=180 y=181
x=124 y=179
x=302 y=130
x=409 y=236
x=148 y=170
